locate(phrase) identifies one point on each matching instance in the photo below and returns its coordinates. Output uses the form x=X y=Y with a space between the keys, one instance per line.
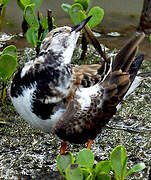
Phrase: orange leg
x=63 y=148
x=89 y=145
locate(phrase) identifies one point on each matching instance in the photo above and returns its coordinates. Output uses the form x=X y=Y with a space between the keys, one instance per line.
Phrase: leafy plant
x=23 y=3
x=78 y=11
x=3 y=4
x=8 y=65
x=83 y=167
x=35 y=27
x=39 y=26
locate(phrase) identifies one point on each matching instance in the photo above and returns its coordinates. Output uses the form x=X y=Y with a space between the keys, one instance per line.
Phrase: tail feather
x=124 y=58
x=133 y=70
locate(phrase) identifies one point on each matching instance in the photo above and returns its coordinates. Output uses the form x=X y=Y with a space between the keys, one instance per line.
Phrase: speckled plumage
x=74 y=102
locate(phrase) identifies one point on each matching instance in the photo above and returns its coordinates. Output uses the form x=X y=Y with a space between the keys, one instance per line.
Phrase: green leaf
x=63 y=161
x=37 y=3
x=73 y=12
x=21 y=4
x=81 y=16
x=74 y=172
x=66 y=7
x=119 y=161
x=32 y=36
x=85 y=158
x=103 y=166
x=5 y=2
x=103 y=176
x=97 y=14
x=8 y=66
x=84 y=3
x=30 y=17
x=10 y=50
x=136 y=168
x=87 y=173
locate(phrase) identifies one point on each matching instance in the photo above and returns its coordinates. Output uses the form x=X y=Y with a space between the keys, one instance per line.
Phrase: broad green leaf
x=103 y=166
x=21 y=4
x=63 y=161
x=103 y=176
x=97 y=14
x=37 y=3
x=32 y=37
x=84 y=3
x=136 y=168
x=30 y=17
x=118 y=159
x=8 y=66
x=87 y=173
x=81 y=16
x=73 y=12
x=66 y=7
x=85 y=158
x=74 y=172
x=10 y=50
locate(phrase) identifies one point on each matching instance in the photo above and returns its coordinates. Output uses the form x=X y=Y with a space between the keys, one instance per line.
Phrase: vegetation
x=3 y=4
x=83 y=168
x=79 y=11
x=8 y=65
x=35 y=27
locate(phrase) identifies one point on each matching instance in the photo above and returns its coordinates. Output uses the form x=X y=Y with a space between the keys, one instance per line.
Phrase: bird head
x=61 y=41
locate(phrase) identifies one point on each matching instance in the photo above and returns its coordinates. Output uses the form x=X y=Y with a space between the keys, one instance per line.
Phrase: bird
x=72 y=102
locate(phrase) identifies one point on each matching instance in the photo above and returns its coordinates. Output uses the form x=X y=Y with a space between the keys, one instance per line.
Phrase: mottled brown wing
x=83 y=76
x=78 y=125
x=83 y=73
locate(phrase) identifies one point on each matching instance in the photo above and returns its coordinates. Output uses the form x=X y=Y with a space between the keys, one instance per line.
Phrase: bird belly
x=23 y=105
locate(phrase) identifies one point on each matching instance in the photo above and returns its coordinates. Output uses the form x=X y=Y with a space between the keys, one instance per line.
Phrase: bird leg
x=63 y=148
x=89 y=145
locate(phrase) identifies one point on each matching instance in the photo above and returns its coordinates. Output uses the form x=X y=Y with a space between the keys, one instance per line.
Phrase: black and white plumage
x=40 y=88
x=48 y=93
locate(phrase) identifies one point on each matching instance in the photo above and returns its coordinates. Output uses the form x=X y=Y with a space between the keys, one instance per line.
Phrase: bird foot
x=63 y=148
x=89 y=145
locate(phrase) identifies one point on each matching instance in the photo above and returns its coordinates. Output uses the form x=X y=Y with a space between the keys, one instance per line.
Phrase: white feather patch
x=135 y=84
x=23 y=106
x=84 y=95
x=26 y=68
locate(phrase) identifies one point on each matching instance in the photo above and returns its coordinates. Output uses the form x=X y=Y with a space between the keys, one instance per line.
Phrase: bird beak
x=79 y=26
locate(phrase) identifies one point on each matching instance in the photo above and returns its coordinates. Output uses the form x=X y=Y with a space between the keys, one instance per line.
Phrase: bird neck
x=62 y=56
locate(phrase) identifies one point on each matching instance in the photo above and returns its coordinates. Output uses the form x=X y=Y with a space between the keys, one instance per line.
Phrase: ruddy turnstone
x=52 y=95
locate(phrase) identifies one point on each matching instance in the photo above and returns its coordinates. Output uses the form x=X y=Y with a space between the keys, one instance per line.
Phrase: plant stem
x=4 y=91
x=2 y=17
